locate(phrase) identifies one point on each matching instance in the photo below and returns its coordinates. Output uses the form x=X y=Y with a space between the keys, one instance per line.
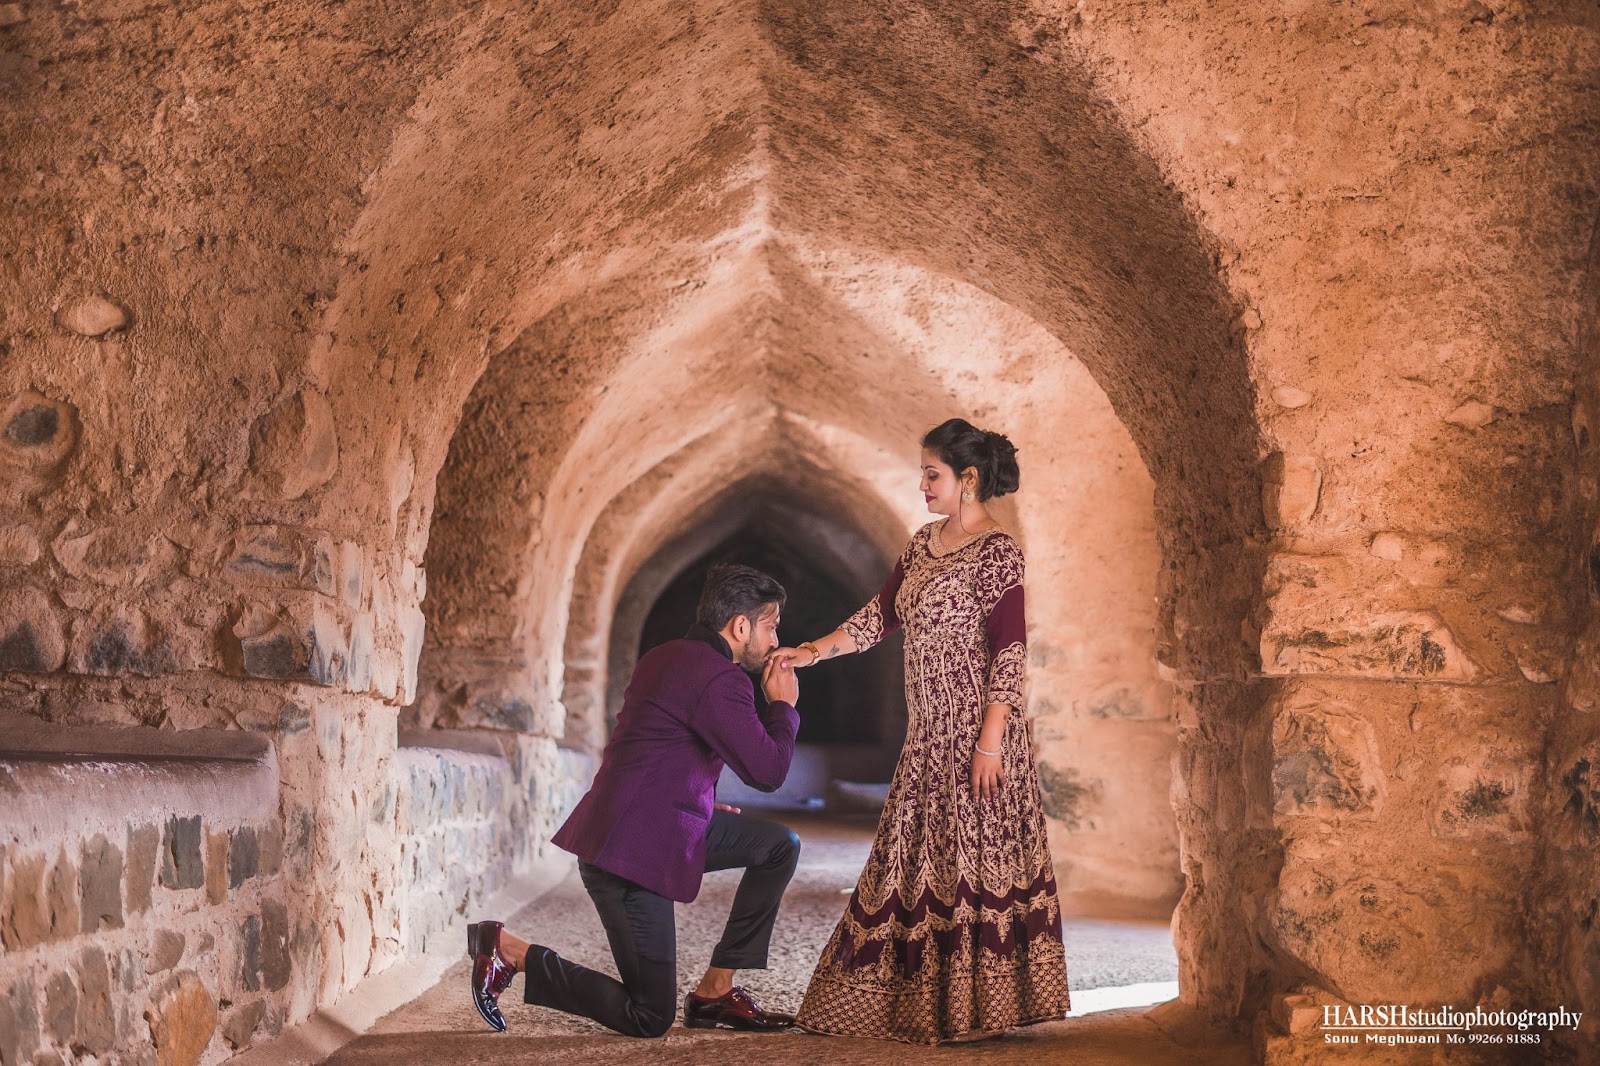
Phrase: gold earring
x=967 y=495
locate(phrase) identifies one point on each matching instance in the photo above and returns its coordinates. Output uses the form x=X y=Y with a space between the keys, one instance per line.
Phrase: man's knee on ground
x=652 y=1026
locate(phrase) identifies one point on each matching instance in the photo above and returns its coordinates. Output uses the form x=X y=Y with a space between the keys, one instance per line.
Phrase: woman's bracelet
x=982 y=752
x=816 y=656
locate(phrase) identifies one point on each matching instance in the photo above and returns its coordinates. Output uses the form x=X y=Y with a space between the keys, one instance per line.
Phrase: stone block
x=92 y=316
x=276 y=964
x=61 y=1007
x=294 y=447
x=1291 y=488
x=19 y=546
x=100 y=876
x=306 y=640
x=32 y=636
x=250 y=954
x=241 y=1025
x=65 y=908
x=97 y=1019
x=216 y=872
x=181 y=862
x=166 y=950
x=1413 y=645
x=25 y=910
x=1324 y=762
x=183 y=1018
x=276 y=556
x=271 y=842
x=37 y=437
x=19 y=1023
x=123 y=640
x=144 y=843
x=244 y=857
x=114 y=556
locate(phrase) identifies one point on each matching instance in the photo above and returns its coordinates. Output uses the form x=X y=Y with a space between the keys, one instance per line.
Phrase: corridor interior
x=377 y=380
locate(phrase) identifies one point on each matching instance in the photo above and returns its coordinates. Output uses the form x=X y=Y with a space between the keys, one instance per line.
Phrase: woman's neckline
x=936 y=546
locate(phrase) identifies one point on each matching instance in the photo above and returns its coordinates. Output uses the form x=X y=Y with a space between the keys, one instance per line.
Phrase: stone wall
x=161 y=895
x=148 y=910
x=470 y=820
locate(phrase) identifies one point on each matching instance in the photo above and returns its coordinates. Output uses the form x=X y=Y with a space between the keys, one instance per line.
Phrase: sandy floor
x=441 y=1025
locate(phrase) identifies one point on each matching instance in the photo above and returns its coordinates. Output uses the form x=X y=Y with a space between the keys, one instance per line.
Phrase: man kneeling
x=646 y=830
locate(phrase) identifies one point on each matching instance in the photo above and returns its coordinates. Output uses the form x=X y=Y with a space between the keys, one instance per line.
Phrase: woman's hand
x=987 y=775
x=798 y=657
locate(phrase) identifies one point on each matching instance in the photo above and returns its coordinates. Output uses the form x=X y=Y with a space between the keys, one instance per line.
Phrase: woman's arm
x=859 y=632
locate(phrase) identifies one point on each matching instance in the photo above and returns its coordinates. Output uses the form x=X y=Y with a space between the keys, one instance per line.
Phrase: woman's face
x=939 y=484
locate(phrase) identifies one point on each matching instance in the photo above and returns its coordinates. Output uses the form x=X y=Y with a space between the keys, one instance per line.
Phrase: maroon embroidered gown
x=954 y=926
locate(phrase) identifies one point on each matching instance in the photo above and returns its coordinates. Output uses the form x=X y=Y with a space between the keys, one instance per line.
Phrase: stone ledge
x=61 y=782
x=23 y=738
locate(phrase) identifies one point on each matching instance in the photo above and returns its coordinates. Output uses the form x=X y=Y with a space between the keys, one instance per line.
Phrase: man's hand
x=779 y=682
x=725 y=807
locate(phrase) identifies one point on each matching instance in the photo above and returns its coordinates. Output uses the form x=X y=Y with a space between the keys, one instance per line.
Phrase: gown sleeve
x=878 y=618
x=1000 y=573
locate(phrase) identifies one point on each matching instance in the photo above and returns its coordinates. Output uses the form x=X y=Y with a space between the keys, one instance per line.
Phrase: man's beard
x=752 y=660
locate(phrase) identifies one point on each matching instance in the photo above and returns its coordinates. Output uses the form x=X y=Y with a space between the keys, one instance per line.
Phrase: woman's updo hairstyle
x=959 y=444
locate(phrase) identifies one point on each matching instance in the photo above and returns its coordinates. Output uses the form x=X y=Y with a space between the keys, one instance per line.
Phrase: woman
x=954 y=928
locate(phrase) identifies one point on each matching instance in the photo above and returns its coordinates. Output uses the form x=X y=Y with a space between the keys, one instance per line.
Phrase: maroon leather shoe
x=491 y=973
x=737 y=1010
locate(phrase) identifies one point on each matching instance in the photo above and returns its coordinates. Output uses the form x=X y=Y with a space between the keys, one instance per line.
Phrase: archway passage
x=861 y=701
x=557 y=275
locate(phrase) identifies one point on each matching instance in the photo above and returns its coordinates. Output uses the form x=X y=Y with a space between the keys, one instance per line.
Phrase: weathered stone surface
x=269 y=645
x=276 y=963
x=181 y=863
x=244 y=857
x=92 y=316
x=100 y=874
x=97 y=1019
x=241 y=1025
x=1411 y=645
x=216 y=868
x=19 y=546
x=250 y=953
x=144 y=844
x=37 y=437
x=24 y=909
x=281 y=557
x=294 y=447
x=182 y=1018
x=61 y=1007
x=113 y=556
x=65 y=910
x=166 y=950
x=1290 y=397
x=1390 y=546
x=1067 y=797
x=1473 y=414
x=122 y=640
x=31 y=633
x=12 y=14
x=271 y=841
x=1291 y=486
x=19 y=1023
x=1324 y=763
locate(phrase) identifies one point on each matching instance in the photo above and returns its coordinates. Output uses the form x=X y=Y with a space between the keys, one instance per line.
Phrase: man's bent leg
x=639 y=924
x=769 y=853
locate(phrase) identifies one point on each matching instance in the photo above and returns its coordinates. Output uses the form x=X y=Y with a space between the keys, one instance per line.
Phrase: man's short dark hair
x=732 y=589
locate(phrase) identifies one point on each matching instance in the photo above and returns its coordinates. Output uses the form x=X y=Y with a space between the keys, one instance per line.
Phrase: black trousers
x=643 y=934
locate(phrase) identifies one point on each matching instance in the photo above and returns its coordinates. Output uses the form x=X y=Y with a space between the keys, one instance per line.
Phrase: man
x=646 y=830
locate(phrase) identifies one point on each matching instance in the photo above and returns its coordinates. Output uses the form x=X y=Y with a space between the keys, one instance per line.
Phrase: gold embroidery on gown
x=954 y=926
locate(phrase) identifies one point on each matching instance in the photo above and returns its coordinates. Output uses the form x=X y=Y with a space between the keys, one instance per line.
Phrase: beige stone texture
x=382 y=365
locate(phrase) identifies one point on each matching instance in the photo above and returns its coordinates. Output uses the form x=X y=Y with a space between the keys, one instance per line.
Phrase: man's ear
x=741 y=628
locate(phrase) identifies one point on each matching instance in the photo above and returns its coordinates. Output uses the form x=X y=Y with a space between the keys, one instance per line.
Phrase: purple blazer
x=688 y=710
